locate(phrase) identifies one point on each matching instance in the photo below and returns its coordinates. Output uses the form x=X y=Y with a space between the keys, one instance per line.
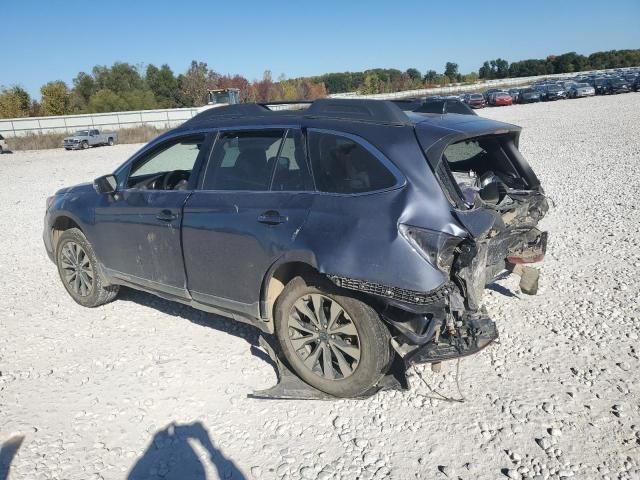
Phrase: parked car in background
x=500 y=99
x=490 y=92
x=475 y=100
x=83 y=139
x=515 y=94
x=553 y=92
x=599 y=85
x=529 y=95
x=579 y=90
x=3 y=145
x=354 y=234
x=635 y=86
x=615 y=85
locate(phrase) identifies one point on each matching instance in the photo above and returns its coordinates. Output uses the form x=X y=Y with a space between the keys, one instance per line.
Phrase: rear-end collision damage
x=496 y=203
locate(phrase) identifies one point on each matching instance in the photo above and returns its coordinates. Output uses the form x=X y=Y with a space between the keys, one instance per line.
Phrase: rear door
x=255 y=195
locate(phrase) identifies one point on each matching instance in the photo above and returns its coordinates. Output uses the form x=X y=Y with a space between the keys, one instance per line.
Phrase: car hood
x=81 y=187
x=73 y=138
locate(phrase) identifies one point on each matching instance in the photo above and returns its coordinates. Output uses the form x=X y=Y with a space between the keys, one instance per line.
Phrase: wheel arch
x=279 y=274
x=62 y=223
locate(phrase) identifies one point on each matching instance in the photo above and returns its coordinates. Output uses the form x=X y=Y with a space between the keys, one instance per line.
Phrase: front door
x=138 y=228
x=253 y=202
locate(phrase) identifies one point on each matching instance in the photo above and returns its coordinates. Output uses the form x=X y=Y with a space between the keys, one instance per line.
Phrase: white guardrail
x=172 y=117
x=166 y=118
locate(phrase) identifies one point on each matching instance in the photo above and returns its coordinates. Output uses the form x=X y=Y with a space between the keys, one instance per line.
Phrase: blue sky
x=54 y=40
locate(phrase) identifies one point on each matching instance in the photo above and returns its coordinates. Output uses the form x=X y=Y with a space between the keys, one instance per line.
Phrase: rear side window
x=342 y=165
x=243 y=160
x=291 y=169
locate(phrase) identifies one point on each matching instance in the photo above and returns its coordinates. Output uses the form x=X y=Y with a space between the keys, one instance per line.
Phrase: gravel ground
x=145 y=388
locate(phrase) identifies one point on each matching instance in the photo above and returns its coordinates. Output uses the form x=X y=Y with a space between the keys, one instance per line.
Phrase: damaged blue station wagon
x=355 y=232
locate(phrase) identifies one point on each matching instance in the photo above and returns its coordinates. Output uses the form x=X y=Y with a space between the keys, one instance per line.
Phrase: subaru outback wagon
x=355 y=232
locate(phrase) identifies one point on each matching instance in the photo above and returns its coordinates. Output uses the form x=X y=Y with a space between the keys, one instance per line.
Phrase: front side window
x=243 y=160
x=167 y=168
x=342 y=165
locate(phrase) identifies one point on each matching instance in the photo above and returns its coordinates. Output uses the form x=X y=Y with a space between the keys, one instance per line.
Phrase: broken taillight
x=437 y=248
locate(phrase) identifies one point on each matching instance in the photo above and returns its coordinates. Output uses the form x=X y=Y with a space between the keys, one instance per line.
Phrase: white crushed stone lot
x=145 y=388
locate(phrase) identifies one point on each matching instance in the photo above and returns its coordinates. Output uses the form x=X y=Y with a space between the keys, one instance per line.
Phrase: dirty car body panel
x=419 y=250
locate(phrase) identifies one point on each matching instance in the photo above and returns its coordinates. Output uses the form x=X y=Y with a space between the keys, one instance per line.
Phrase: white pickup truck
x=89 y=138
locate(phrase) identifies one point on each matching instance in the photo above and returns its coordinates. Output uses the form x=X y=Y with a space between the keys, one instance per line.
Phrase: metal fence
x=165 y=118
x=168 y=118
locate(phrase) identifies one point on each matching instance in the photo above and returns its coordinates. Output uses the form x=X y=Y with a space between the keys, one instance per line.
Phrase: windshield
x=529 y=90
x=582 y=85
x=477 y=96
x=617 y=81
x=81 y=133
x=554 y=88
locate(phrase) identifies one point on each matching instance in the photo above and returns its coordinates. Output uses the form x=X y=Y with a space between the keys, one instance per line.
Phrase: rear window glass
x=454 y=106
x=469 y=160
x=342 y=165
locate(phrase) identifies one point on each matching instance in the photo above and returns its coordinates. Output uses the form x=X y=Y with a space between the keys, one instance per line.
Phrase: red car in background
x=500 y=99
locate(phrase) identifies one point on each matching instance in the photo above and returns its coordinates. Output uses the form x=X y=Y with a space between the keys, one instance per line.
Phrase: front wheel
x=80 y=272
x=336 y=343
x=85 y=145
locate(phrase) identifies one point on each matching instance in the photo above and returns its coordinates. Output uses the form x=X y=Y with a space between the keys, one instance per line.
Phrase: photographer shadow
x=7 y=452
x=171 y=456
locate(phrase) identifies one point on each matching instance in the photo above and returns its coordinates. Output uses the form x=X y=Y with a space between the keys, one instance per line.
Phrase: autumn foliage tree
x=56 y=98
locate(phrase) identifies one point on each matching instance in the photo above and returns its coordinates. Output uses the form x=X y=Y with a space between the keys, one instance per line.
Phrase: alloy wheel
x=76 y=269
x=324 y=337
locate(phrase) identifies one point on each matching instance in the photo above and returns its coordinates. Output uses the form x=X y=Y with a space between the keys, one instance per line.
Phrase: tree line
x=123 y=86
x=565 y=63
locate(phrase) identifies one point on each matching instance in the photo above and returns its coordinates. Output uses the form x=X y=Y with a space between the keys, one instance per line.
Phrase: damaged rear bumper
x=468 y=337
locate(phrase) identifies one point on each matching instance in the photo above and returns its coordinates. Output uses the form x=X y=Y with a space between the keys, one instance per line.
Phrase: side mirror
x=105 y=184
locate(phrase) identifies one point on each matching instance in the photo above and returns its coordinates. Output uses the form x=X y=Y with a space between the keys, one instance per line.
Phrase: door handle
x=166 y=216
x=271 y=217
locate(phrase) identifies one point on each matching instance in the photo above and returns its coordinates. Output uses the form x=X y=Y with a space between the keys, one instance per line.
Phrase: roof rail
x=238 y=110
x=382 y=111
x=359 y=109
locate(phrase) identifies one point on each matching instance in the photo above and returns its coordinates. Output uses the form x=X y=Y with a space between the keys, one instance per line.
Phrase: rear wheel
x=334 y=342
x=110 y=142
x=80 y=272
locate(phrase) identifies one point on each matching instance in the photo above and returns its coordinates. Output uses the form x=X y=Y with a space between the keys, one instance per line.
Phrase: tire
x=85 y=145
x=110 y=142
x=1 y=150
x=86 y=286
x=356 y=326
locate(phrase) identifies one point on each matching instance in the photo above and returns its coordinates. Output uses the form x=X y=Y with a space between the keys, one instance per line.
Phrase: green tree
x=371 y=84
x=14 y=102
x=430 y=76
x=106 y=100
x=193 y=84
x=164 y=85
x=84 y=86
x=451 y=70
x=119 y=78
x=414 y=74
x=56 y=98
